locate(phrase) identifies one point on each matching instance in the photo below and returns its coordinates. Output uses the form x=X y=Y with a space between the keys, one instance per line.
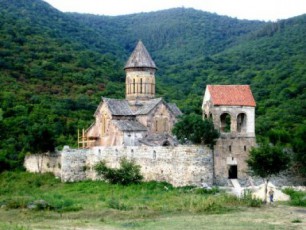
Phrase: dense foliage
x=127 y=173
x=297 y=198
x=54 y=67
x=192 y=128
x=267 y=160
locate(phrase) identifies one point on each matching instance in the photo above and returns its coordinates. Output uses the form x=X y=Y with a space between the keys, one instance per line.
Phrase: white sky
x=242 y=9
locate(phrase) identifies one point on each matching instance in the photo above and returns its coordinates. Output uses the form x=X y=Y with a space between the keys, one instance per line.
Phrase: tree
x=267 y=160
x=193 y=128
x=299 y=149
x=196 y=130
x=128 y=172
x=41 y=139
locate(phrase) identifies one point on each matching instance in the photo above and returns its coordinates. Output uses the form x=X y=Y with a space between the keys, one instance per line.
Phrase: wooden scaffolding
x=84 y=141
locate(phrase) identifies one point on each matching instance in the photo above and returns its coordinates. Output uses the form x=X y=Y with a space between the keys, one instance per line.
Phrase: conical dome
x=140 y=58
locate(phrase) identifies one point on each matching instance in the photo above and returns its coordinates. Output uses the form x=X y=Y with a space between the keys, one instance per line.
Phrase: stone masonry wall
x=180 y=166
x=42 y=163
x=232 y=151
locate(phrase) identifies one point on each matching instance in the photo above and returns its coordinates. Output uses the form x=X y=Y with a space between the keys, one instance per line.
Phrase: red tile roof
x=240 y=95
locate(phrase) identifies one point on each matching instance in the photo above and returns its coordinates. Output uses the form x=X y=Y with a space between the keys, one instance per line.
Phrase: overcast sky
x=242 y=9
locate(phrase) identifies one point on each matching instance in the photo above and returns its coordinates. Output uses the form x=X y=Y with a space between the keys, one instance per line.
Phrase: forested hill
x=55 y=66
x=176 y=34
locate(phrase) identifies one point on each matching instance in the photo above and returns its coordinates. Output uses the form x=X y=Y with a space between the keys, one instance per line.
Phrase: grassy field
x=31 y=201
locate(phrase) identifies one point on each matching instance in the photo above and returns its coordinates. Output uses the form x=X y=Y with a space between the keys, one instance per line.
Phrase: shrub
x=250 y=201
x=296 y=221
x=116 y=204
x=161 y=185
x=298 y=198
x=212 y=190
x=16 y=203
x=128 y=172
x=210 y=205
x=187 y=189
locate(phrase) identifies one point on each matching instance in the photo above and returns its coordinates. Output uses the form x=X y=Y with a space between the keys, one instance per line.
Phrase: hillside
x=50 y=79
x=55 y=66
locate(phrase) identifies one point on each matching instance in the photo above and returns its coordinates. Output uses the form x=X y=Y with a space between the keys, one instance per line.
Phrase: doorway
x=232 y=172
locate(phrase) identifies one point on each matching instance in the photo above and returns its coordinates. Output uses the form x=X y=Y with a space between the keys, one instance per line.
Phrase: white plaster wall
x=43 y=163
x=206 y=99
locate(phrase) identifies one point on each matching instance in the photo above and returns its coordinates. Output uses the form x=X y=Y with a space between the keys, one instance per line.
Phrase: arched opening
x=156 y=125
x=165 y=124
x=140 y=85
x=104 y=124
x=166 y=143
x=241 y=122
x=225 y=119
x=210 y=116
x=152 y=89
x=133 y=85
x=154 y=154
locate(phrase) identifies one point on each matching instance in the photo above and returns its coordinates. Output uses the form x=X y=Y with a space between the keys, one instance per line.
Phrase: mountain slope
x=177 y=34
x=272 y=61
x=49 y=78
x=54 y=67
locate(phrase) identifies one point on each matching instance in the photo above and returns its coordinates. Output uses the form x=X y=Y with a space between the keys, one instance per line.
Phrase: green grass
x=92 y=204
x=298 y=198
x=19 y=189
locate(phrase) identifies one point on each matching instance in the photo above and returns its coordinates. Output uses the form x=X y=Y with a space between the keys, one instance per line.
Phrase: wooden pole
x=83 y=138
x=78 y=138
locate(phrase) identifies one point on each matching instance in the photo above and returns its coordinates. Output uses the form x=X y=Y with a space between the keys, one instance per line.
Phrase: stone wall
x=183 y=165
x=180 y=166
x=42 y=163
x=229 y=151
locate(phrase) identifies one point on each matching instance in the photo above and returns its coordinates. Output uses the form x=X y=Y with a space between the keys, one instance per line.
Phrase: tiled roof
x=147 y=106
x=239 y=95
x=118 y=107
x=175 y=110
x=140 y=58
x=126 y=125
x=121 y=107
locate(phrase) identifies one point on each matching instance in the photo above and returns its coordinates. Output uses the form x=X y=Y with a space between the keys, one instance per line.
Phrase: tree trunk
x=266 y=190
x=213 y=163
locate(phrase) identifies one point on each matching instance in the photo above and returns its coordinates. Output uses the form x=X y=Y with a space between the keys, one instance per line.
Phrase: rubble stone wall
x=180 y=165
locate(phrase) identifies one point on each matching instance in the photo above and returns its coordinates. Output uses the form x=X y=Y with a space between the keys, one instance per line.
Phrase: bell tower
x=140 y=75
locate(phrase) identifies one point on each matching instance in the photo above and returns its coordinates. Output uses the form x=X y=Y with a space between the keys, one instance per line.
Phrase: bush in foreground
x=128 y=173
x=298 y=198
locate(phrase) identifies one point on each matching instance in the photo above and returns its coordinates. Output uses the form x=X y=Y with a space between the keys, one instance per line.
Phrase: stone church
x=139 y=126
x=140 y=118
